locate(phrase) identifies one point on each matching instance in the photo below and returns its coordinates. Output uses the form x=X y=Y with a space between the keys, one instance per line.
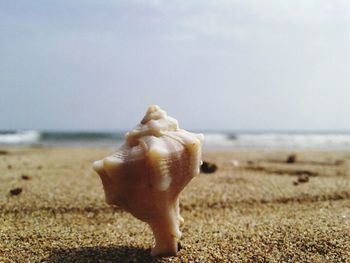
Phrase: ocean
x=213 y=140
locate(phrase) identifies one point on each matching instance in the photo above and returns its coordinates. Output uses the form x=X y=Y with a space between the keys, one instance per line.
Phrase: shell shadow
x=100 y=254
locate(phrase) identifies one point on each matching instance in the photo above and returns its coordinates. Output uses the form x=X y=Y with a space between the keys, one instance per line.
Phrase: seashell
x=147 y=173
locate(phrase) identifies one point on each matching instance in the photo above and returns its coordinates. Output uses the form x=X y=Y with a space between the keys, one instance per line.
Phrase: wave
x=20 y=137
x=331 y=141
x=220 y=140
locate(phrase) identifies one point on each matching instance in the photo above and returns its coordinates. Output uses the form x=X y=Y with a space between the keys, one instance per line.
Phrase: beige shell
x=146 y=175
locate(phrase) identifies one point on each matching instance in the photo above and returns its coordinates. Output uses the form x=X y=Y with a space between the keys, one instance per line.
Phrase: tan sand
x=259 y=210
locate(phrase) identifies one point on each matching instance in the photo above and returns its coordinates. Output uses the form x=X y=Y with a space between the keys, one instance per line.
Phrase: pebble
x=304 y=178
x=235 y=163
x=208 y=168
x=16 y=191
x=25 y=177
x=292 y=158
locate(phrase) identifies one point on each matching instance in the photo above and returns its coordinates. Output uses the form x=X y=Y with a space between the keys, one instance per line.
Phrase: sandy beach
x=256 y=207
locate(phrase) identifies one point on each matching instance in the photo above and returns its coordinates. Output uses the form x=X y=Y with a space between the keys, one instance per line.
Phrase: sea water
x=213 y=140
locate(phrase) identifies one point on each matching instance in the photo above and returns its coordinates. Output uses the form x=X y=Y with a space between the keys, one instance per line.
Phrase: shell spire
x=147 y=173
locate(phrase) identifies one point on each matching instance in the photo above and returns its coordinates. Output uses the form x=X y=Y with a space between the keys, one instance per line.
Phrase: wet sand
x=255 y=208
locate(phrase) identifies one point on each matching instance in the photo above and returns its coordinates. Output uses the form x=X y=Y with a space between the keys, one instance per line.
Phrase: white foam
x=280 y=140
x=23 y=137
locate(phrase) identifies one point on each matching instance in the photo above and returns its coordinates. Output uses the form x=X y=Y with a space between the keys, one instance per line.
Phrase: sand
x=254 y=208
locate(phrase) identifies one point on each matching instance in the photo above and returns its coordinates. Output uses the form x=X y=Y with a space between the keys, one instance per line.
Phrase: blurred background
x=246 y=73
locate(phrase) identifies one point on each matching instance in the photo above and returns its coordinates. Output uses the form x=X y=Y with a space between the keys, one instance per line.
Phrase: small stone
x=235 y=163
x=304 y=178
x=16 y=191
x=208 y=168
x=25 y=177
x=291 y=158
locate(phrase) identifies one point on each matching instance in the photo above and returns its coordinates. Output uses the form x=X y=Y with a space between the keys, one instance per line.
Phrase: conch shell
x=146 y=175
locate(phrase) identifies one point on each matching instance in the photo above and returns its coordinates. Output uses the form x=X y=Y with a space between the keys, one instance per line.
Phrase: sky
x=212 y=64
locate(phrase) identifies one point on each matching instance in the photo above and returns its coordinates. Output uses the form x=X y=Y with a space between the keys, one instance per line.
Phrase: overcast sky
x=213 y=65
